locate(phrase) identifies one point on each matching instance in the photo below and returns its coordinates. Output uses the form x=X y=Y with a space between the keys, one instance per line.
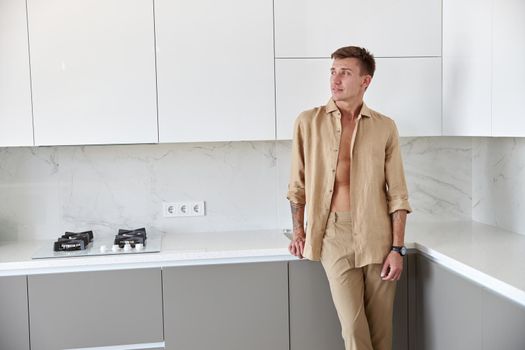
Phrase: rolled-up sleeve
x=296 y=186
x=397 y=193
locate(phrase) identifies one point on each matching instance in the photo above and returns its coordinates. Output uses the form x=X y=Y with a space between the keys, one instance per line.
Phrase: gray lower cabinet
x=89 y=309
x=314 y=323
x=400 y=319
x=14 y=325
x=455 y=313
x=226 y=307
x=448 y=309
x=503 y=323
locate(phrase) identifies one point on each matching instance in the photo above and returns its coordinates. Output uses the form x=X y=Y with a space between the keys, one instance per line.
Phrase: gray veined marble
x=47 y=190
x=439 y=177
x=498 y=182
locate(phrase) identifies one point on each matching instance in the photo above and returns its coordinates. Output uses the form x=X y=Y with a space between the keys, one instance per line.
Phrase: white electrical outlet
x=181 y=209
x=197 y=208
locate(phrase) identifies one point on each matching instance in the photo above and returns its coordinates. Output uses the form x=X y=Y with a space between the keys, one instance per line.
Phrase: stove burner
x=73 y=241
x=83 y=236
x=131 y=237
x=89 y=234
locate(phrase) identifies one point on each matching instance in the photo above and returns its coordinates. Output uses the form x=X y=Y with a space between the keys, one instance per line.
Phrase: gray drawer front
x=14 y=326
x=226 y=307
x=87 y=309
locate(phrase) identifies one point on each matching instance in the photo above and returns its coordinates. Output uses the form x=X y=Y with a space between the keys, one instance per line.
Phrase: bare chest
x=348 y=127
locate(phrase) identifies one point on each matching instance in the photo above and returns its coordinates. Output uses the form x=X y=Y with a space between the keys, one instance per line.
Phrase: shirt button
x=330 y=191
x=333 y=170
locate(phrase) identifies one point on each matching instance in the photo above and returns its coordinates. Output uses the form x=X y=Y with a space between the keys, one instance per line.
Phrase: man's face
x=346 y=81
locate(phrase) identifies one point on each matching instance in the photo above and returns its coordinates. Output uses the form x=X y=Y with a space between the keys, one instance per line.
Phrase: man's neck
x=350 y=109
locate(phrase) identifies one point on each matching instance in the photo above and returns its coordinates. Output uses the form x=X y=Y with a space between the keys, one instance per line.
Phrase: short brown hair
x=366 y=59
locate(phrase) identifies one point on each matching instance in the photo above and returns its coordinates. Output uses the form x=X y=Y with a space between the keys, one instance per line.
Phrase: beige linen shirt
x=377 y=186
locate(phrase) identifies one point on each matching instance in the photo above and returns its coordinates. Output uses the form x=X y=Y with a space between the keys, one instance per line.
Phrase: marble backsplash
x=45 y=191
x=498 y=182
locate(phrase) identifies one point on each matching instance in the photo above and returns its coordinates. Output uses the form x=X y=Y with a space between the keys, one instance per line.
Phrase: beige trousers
x=364 y=302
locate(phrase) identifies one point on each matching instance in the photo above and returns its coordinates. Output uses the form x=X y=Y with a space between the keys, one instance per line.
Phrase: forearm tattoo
x=396 y=217
x=398 y=226
x=297 y=216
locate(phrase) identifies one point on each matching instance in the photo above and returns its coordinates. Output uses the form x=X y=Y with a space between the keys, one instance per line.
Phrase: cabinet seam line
x=28 y=311
x=491 y=68
x=162 y=305
x=327 y=58
x=274 y=75
x=156 y=69
x=289 y=309
x=30 y=76
x=442 y=66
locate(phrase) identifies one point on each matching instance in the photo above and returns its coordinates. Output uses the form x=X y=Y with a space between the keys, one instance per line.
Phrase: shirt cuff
x=399 y=204
x=297 y=197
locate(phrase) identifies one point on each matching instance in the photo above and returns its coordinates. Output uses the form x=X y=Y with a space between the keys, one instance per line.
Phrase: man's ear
x=367 y=79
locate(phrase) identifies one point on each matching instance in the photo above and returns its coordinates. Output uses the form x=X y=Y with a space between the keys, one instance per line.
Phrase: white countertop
x=492 y=257
x=487 y=255
x=176 y=249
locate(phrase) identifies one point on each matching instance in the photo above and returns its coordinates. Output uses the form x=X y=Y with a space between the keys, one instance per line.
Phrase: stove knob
x=103 y=248
x=139 y=246
x=115 y=248
x=127 y=247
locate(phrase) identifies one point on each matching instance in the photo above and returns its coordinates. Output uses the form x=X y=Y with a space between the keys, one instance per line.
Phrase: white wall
x=47 y=190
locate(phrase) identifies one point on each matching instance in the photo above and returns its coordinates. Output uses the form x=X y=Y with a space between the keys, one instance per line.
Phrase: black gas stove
x=86 y=243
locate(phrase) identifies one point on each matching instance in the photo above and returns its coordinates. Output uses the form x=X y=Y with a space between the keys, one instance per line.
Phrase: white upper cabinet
x=300 y=84
x=16 y=125
x=508 y=90
x=406 y=89
x=467 y=67
x=313 y=28
x=93 y=71
x=215 y=66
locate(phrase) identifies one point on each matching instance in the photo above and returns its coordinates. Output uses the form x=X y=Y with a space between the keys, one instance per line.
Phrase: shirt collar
x=332 y=107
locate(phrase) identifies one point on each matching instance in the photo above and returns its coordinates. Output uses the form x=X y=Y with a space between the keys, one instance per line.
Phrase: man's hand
x=296 y=246
x=392 y=267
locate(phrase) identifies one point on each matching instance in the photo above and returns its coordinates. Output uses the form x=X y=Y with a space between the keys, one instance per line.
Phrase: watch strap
x=402 y=250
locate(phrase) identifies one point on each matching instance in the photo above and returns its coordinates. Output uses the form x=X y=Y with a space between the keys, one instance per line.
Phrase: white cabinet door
x=215 y=70
x=508 y=90
x=405 y=89
x=93 y=71
x=409 y=91
x=16 y=124
x=467 y=67
x=313 y=28
x=299 y=85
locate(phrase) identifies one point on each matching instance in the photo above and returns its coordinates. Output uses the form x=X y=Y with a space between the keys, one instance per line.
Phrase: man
x=347 y=170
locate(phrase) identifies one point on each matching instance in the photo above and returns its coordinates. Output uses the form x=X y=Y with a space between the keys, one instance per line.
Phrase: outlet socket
x=183 y=209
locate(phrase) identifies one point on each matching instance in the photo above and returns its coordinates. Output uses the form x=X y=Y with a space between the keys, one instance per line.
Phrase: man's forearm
x=297 y=218
x=399 y=218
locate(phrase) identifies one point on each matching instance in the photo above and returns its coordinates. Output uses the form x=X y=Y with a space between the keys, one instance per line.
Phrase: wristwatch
x=402 y=250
